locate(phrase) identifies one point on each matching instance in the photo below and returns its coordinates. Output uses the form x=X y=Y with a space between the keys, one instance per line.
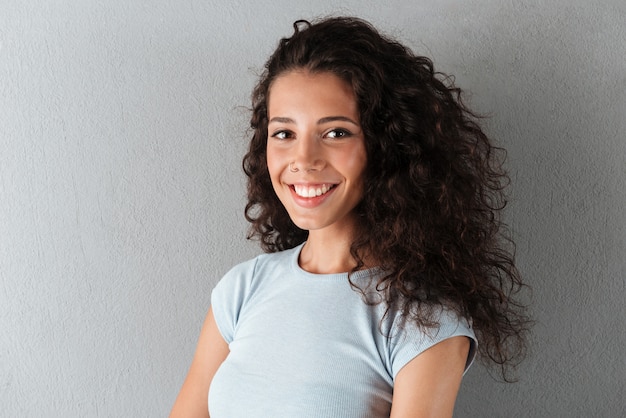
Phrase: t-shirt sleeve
x=229 y=296
x=409 y=341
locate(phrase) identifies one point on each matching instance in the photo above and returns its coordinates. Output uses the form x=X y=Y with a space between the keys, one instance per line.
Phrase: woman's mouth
x=312 y=191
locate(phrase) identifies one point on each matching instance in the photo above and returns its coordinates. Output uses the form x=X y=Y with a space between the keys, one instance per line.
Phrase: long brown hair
x=433 y=184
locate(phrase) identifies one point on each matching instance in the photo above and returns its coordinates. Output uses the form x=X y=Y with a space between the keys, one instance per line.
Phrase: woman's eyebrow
x=335 y=119
x=279 y=119
x=327 y=119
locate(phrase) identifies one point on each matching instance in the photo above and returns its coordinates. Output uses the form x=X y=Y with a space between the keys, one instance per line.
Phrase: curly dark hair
x=433 y=184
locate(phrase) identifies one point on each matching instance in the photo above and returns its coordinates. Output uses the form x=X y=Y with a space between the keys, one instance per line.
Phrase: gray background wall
x=122 y=127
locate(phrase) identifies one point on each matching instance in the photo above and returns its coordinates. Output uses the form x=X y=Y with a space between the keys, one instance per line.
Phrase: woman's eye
x=337 y=133
x=282 y=135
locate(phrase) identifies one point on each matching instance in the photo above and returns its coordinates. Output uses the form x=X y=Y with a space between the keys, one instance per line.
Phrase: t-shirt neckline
x=300 y=272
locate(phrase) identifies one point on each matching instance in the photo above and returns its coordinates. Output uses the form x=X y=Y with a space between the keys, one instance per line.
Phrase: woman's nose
x=308 y=155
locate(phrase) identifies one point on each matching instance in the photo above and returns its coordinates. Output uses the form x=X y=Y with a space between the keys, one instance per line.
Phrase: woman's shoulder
x=251 y=270
x=239 y=286
x=409 y=338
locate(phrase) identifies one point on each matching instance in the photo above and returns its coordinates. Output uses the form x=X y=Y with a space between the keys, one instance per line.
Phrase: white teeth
x=306 y=191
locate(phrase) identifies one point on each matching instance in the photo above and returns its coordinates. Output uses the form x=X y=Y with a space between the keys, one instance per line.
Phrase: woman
x=376 y=196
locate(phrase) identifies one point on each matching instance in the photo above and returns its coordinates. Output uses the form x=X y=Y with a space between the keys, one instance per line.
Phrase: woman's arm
x=427 y=386
x=210 y=353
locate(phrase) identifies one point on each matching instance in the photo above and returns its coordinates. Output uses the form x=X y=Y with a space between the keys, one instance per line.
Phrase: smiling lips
x=312 y=191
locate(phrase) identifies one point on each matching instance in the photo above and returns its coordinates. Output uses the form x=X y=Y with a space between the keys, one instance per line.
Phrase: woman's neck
x=326 y=256
x=327 y=251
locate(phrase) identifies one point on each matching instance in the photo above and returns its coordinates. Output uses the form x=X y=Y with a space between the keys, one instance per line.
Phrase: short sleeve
x=229 y=296
x=409 y=341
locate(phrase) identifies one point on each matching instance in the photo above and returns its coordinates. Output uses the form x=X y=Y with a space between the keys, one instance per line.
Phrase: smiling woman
x=376 y=196
x=315 y=151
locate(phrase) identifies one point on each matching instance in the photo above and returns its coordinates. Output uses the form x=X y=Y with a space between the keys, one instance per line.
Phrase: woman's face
x=315 y=149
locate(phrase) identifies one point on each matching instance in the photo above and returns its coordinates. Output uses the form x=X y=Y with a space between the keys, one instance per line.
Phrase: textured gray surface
x=122 y=127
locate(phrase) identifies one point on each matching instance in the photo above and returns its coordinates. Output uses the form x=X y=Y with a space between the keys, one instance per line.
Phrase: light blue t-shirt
x=307 y=345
